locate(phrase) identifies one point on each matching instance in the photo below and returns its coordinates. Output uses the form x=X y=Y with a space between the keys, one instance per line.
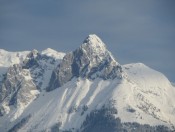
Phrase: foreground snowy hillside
x=86 y=90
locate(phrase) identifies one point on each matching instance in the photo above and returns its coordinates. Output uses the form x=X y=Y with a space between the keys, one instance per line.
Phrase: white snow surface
x=173 y=84
x=144 y=95
x=151 y=95
x=7 y=58
x=146 y=92
x=66 y=103
x=52 y=53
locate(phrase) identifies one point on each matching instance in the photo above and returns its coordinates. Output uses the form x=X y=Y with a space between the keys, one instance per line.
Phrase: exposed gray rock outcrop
x=90 y=60
x=16 y=88
x=39 y=64
x=20 y=85
x=31 y=59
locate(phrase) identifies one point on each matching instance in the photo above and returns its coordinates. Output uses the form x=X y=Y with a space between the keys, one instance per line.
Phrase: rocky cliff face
x=21 y=84
x=17 y=89
x=91 y=60
x=40 y=67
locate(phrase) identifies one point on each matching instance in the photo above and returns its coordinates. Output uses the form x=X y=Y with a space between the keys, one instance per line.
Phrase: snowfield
x=65 y=104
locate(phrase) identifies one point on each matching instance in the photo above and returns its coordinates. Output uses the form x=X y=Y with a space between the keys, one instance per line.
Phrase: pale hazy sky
x=133 y=30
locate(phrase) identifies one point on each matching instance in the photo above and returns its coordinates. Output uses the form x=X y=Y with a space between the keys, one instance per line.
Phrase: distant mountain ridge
x=85 y=90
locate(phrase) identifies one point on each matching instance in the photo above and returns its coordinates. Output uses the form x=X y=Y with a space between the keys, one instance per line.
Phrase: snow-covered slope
x=173 y=84
x=90 y=91
x=152 y=96
x=52 y=53
x=21 y=82
x=9 y=58
x=69 y=105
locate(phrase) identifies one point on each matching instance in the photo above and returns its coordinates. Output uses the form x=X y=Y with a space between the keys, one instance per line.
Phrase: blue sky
x=133 y=30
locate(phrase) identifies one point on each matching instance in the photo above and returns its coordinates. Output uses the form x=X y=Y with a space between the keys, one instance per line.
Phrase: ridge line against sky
x=134 y=31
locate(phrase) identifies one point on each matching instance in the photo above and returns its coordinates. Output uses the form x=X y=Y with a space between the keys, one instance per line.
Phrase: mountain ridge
x=94 y=89
x=90 y=60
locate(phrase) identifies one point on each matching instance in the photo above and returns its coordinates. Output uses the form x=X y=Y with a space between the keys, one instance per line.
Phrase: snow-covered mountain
x=85 y=90
x=22 y=82
x=9 y=58
x=91 y=60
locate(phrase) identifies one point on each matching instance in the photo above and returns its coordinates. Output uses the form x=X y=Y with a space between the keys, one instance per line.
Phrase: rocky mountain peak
x=93 y=48
x=91 y=60
x=33 y=54
x=96 y=51
x=94 y=41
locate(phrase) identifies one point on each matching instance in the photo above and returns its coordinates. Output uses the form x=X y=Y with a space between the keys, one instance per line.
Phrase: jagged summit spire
x=91 y=60
x=94 y=41
x=94 y=48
